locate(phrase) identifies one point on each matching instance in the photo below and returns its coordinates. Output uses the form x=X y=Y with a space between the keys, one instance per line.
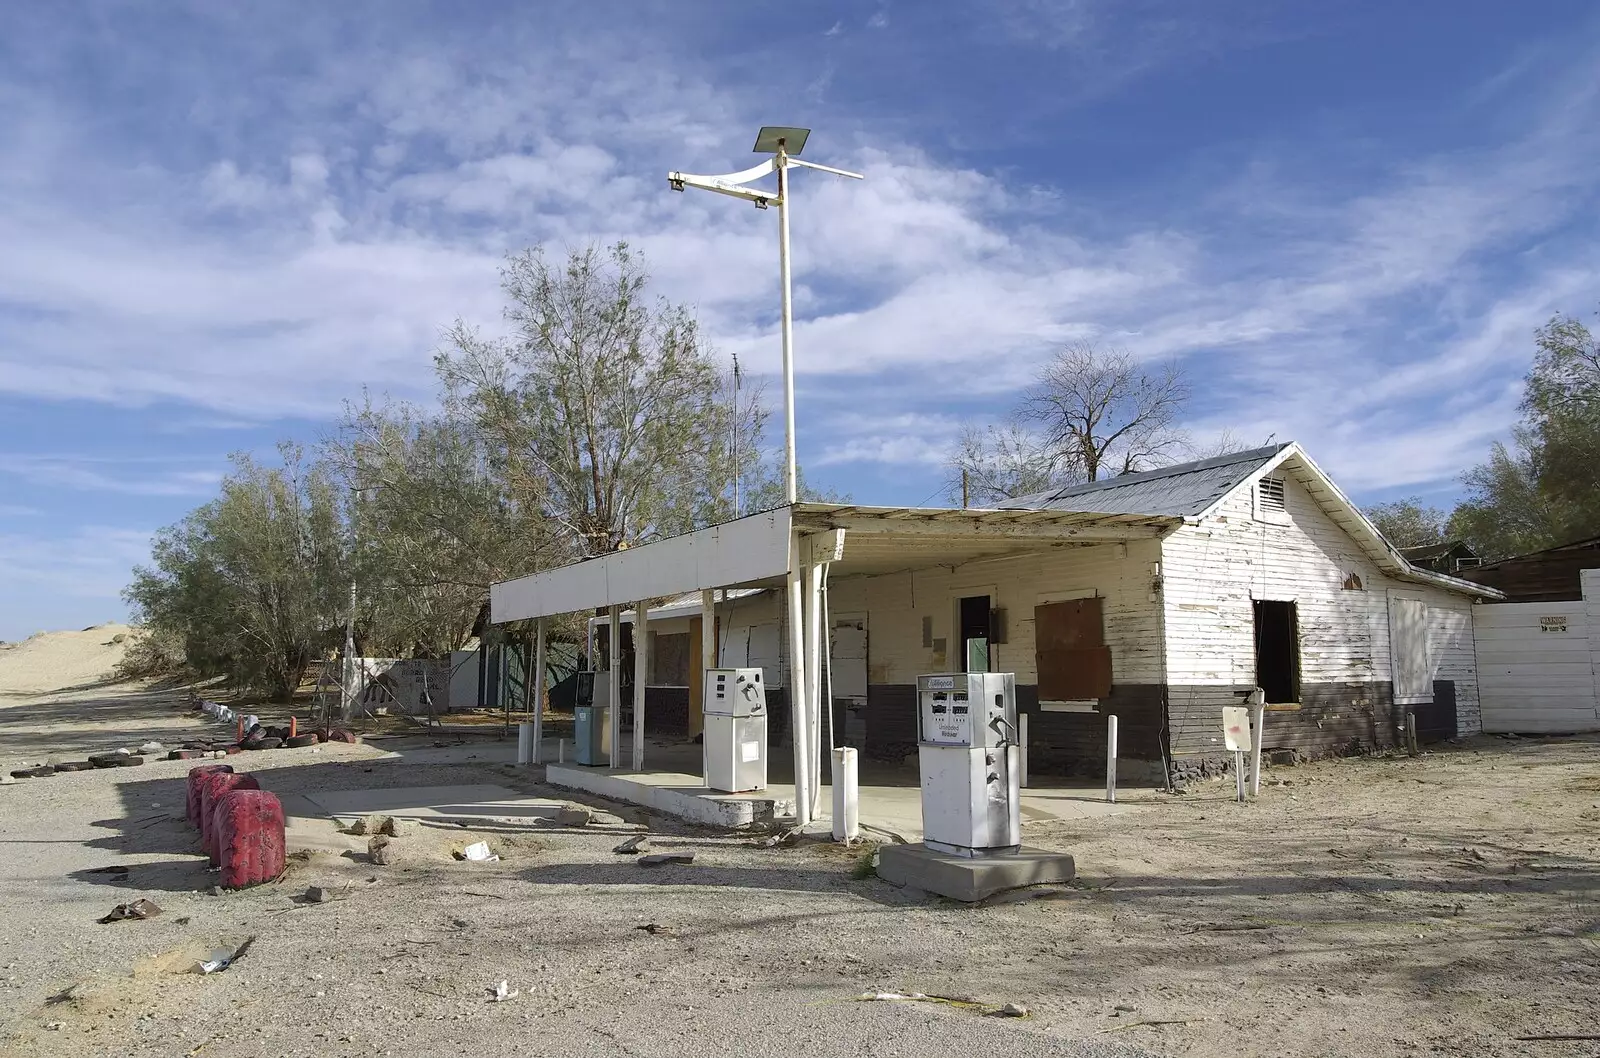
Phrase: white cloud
x=132 y=475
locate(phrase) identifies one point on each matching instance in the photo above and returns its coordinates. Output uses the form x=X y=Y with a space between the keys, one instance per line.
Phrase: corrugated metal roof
x=1181 y=491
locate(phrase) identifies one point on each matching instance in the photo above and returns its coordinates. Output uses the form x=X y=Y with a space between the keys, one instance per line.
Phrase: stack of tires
x=241 y=825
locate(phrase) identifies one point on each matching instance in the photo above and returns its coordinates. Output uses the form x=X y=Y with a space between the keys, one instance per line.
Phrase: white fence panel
x=1536 y=666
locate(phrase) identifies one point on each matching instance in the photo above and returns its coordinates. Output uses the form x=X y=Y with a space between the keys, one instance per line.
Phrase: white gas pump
x=735 y=730
x=967 y=746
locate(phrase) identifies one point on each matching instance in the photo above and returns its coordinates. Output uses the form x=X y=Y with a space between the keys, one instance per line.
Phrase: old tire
x=192 y=797
x=130 y=762
x=300 y=741
x=249 y=838
x=212 y=786
x=264 y=743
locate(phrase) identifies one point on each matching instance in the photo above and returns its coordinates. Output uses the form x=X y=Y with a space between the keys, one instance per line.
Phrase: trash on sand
x=140 y=908
x=66 y=995
x=788 y=839
x=1010 y=1010
x=316 y=894
x=477 y=852
x=222 y=958
x=656 y=859
x=656 y=929
x=949 y=1001
x=632 y=846
x=503 y=991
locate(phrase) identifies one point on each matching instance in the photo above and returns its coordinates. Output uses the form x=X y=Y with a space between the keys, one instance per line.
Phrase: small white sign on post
x=1236 y=736
x=1236 y=728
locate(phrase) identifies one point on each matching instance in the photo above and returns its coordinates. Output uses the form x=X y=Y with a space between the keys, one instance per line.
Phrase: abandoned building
x=1159 y=597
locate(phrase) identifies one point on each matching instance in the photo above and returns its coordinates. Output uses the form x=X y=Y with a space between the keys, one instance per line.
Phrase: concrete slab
x=672 y=793
x=971 y=878
x=438 y=804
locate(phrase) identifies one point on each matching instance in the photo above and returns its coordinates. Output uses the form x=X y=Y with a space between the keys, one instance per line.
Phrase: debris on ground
x=502 y=992
x=222 y=958
x=374 y=824
x=477 y=852
x=1010 y=1010
x=115 y=868
x=656 y=929
x=66 y=995
x=786 y=840
x=316 y=894
x=633 y=846
x=378 y=849
x=573 y=817
x=140 y=909
x=656 y=859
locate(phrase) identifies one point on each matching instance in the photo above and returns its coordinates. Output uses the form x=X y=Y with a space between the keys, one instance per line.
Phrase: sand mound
x=54 y=661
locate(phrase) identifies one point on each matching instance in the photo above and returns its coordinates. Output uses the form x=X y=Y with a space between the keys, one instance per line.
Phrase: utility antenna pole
x=964 y=490
x=734 y=435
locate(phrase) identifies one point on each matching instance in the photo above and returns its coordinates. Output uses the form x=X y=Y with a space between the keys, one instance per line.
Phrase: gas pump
x=967 y=747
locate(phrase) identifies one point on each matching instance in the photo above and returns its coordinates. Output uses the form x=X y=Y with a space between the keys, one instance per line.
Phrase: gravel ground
x=1439 y=905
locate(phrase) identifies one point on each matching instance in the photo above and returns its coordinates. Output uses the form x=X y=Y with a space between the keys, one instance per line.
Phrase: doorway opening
x=1277 y=651
x=973 y=634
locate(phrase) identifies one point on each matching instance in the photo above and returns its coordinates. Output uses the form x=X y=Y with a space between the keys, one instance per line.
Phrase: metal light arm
x=730 y=183
x=792 y=160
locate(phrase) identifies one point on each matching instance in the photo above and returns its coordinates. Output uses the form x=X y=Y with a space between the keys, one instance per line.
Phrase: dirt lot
x=1441 y=905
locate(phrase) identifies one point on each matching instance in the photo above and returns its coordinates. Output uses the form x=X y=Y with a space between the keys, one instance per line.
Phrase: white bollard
x=1022 y=752
x=561 y=752
x=846 y=796
x=1111 y=759
x=524 y=743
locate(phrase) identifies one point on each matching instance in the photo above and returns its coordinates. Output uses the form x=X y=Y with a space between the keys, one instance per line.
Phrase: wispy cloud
x=141 y=476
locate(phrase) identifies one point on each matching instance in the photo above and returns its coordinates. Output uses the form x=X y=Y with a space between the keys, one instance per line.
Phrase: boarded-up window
x=1070 y=649
x=1408 y=651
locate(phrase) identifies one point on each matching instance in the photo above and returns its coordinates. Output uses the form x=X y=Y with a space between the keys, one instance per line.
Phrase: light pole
x=784 y=144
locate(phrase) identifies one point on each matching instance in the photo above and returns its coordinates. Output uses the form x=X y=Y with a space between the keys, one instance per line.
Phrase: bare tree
x=1224 y=443
x=1104 y=413
x=1003 y=462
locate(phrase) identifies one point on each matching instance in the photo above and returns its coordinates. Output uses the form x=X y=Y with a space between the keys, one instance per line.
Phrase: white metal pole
x=614 y=689
x=815 y=704
x=1111 y=758
x=539 y=661
x=708 y=660
x=798 y=726
x=641 y=670
x=1238 y=773
x=1022 y=751
x=787 y=325
x=1258 y=717
x=525 y=743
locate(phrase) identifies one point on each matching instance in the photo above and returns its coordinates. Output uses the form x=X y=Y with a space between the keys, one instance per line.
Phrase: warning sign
x=1555 y=623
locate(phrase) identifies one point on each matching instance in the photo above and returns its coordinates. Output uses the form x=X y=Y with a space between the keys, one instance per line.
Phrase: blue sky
x=218 y=223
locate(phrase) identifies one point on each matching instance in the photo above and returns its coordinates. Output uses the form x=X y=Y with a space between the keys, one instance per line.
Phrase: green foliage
x=432 y=527
x=602 y=402
x=1544 y=490
x=249 y=583
x=1407 y=523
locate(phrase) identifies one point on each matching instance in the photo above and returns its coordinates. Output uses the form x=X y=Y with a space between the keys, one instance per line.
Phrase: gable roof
x=1185 y=490
x=1193 y=491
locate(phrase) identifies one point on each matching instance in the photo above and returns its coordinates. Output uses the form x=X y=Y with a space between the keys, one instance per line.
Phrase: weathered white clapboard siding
x=1122 y=574
x=1534 y=680
x=1214 y=569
